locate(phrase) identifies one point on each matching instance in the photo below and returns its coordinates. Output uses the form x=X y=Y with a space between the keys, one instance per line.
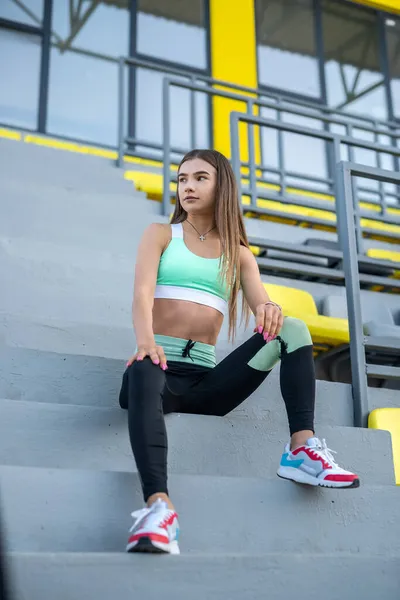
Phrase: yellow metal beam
x=391 y=6
x=233 y=59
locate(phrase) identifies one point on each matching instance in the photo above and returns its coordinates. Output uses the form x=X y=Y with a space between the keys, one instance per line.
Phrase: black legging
x=150 y=393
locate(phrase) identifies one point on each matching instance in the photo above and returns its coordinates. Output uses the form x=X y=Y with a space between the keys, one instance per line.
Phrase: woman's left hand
x=269 y=321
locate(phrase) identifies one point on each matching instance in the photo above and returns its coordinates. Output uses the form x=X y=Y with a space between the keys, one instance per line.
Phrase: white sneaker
x=156 y=529
x=314 y=464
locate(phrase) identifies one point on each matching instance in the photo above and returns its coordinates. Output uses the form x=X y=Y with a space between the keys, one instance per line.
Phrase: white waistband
x=175 y=292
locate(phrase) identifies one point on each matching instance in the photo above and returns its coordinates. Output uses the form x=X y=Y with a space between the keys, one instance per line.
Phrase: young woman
x=188 y=274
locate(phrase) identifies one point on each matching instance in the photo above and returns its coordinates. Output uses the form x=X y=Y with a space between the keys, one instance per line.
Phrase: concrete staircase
x=69 y=227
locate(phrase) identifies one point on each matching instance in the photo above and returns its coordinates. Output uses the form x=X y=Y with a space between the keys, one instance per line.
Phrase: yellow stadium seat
x=256 y=250
x=389 y=420
x=328 y=331
x=150 y=183
x=384 y=254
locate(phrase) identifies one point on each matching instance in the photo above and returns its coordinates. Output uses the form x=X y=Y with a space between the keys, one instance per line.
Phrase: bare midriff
x=186 y=320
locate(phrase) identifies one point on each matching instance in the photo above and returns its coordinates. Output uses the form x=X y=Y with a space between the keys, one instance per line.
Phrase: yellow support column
x=233 y=59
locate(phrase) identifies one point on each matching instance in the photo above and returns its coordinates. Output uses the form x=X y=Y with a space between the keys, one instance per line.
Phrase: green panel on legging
x=295 y=335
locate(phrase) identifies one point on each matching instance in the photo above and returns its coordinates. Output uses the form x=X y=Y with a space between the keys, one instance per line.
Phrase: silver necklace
x=202 y=236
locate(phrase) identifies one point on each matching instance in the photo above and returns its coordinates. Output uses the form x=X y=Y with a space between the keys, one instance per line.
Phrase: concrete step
x=64 y=257
x=38 y=164
x=59 y=510
x=96 y=220
x=89 y=379
x=97 y=438
x=47 y=290
x=300 y=575
x=66 y=337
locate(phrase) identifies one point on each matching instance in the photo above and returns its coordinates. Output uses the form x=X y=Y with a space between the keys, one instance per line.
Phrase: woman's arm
x=269 y=317
x=152 y=245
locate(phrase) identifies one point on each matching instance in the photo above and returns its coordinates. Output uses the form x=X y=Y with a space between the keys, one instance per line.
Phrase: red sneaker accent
x=313 y=455
x=168 y=521
x=350 y=477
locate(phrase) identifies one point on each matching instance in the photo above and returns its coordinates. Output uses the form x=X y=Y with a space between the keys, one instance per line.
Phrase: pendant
x=202 y=238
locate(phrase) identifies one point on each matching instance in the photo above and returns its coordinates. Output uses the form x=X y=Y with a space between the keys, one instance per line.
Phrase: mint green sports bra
x=182 y=275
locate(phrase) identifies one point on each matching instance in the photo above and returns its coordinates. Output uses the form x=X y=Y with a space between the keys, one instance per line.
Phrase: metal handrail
x=282 y=104
x=348 y=215
x=250 y=119
x=335 y=139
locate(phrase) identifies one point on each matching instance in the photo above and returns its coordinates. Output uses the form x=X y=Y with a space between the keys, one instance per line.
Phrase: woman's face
x=197 y=182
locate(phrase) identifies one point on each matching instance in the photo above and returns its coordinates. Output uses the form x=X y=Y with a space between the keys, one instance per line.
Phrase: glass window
x=29 y=12
x=393 y=41
x=352 y=65
x=287 y=55
x=173 y=31
x=19 y=74
x=83 y=87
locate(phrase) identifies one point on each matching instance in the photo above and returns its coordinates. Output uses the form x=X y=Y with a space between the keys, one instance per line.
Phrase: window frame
x=288 y=94
x=165 y=63
x=44 y=33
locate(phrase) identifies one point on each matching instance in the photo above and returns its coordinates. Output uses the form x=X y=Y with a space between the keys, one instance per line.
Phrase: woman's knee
x=295 y=334
x=142 y=368
x=144 y=381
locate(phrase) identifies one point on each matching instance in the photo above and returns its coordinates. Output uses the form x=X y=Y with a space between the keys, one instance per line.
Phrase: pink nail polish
x=139 y=358
x=164 y=367
x=259 y=329
x=265 y=336
x=156 y=362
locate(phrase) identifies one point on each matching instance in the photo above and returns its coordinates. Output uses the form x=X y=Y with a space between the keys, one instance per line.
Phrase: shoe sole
x=146 y=545
x=305 y=479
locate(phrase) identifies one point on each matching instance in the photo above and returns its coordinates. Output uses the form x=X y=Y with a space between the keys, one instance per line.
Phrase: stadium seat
x=377 y=317
x=384 y=254
x=326 y=332
x=389 y=420
x=149 y=183
x=256 y=250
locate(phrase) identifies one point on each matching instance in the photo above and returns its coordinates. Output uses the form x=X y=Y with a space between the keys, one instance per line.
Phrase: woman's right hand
x=156 y=354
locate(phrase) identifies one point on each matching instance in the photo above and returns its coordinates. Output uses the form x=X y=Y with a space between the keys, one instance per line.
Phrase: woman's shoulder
x=246 y=254
x=160 y=230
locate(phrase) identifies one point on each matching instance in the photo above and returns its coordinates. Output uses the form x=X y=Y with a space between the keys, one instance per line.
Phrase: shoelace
x=138 y=515
x=327 y=452
x=142 y=512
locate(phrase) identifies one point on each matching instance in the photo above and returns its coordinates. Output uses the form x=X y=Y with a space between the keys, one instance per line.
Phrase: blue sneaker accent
x=285 y=462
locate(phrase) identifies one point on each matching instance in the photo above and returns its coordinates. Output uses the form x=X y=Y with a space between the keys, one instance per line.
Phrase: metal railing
x=348 y=224
x=326 y=117
x=335 y=140
x=255 y=190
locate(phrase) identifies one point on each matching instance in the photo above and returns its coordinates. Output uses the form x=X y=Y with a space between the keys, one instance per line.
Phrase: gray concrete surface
x=90 y=380
x=65 y=436
x=89 y=511
x=69 y=229
x=301 y=575
x=35 y=165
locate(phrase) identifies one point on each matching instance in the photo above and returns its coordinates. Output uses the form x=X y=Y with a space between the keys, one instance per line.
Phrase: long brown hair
x=230 y=226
